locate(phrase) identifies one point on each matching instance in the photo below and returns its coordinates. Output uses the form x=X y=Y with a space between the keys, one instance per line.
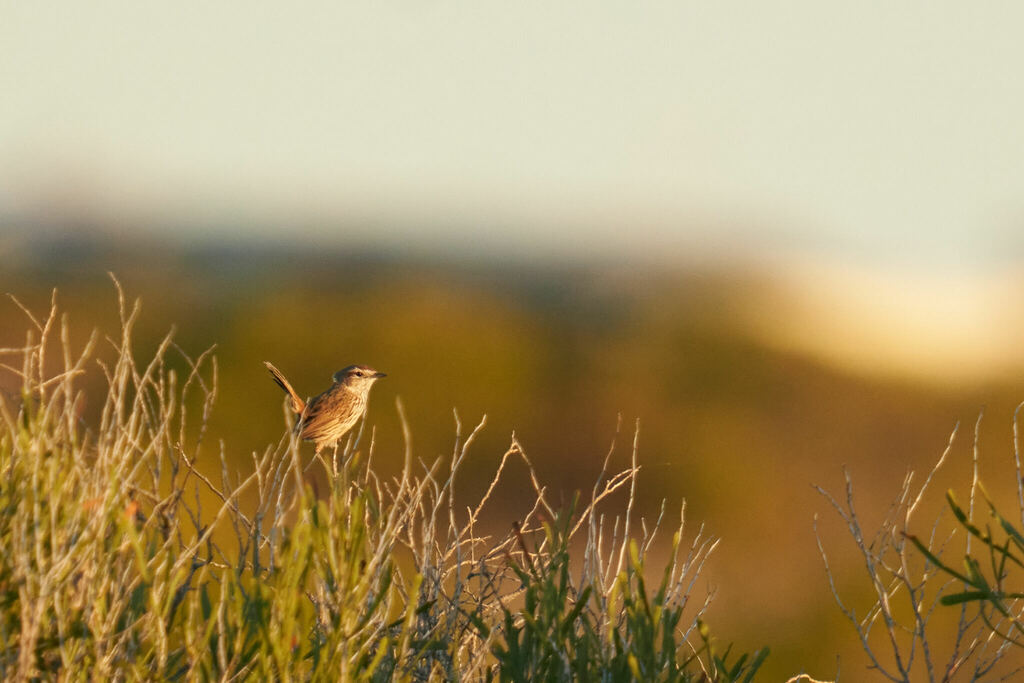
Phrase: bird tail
x=298 y=405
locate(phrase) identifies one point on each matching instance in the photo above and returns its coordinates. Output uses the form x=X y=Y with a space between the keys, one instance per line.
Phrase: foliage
x=564 y=633
x=903 y=635
x=124 y=555
x=998 y=607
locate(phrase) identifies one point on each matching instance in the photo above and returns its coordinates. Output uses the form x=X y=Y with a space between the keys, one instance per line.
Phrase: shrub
x=903 y=631
x=122 y=556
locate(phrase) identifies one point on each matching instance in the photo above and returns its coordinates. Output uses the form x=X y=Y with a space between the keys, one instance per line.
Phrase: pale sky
x=869 y=154
x=876 y=131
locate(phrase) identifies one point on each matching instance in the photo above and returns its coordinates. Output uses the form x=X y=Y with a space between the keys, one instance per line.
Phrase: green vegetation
x=138 y=543
x=991 y=579
x=127 y=552
x=561 y=633
x=905 y=632
x=738 y=426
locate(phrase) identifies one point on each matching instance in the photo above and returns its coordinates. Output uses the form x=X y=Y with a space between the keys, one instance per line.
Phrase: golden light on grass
x=116 y=565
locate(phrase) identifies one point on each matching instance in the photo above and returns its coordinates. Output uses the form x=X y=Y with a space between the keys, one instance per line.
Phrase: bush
x=904 y=632
x=123 y=557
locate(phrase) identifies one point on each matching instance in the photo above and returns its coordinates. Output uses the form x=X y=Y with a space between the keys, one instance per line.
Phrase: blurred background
x=784 y=237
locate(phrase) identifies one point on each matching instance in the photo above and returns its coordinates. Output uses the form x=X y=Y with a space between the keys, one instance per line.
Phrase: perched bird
x=325 y=418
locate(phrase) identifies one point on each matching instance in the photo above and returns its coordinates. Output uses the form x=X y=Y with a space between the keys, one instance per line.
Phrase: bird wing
x=329 y=415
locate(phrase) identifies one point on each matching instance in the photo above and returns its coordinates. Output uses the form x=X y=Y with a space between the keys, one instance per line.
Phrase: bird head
x=358 y=377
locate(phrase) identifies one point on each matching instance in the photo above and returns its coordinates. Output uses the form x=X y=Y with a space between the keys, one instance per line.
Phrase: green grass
x=131 y=550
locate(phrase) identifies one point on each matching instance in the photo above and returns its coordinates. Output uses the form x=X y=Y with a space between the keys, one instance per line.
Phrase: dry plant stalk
x=125 y=553
x=898 y=632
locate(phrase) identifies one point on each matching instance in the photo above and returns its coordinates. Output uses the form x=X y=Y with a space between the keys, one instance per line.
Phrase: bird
x=328 y=416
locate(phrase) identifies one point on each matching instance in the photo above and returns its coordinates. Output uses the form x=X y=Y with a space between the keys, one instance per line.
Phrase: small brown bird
x=327 y=417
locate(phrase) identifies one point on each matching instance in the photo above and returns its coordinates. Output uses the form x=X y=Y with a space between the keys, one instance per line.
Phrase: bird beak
x=379 y=375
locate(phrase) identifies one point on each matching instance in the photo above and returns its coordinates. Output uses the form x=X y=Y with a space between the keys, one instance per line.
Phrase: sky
x=884 y=132
x=871 y=149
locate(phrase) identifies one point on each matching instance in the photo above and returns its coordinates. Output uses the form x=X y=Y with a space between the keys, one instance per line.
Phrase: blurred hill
x=556 y=353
